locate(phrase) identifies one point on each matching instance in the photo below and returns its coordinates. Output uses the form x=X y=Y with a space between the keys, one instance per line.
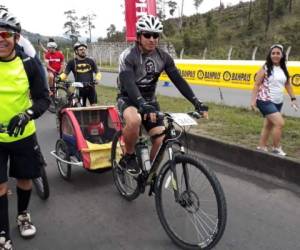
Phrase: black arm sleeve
x=178 y=81
x=127 y=81
x=38 y=88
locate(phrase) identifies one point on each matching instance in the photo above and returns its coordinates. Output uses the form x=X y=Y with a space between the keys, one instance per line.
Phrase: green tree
x=172 y=7
x=87 y=24
x=290 y=6
x=71 y=25
x=111 y=30
x=197 y=4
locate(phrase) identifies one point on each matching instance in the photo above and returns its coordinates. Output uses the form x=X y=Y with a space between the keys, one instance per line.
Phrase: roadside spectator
x=267 y=96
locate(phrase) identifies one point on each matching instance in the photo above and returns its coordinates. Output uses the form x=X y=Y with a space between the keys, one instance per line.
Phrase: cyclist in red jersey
x=54 y=62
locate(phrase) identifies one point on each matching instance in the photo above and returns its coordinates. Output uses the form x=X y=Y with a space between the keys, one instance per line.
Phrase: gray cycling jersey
x=139 y=73
x=146 y=69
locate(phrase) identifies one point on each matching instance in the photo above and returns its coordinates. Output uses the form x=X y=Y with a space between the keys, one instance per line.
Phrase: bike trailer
x=88 y=134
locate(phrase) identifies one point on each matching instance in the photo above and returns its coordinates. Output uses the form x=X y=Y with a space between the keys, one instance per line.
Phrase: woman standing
x=267 y=96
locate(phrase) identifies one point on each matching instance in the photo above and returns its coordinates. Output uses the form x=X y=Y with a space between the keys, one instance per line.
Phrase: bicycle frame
x=169 y=140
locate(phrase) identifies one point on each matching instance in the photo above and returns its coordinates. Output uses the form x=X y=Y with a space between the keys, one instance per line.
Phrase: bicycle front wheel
x=126 y=184
x=51 y=107
x=190 y=203
x=61 y=98
x=41 y=185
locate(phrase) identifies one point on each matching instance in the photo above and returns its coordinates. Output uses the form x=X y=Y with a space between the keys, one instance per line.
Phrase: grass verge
x=235 y=125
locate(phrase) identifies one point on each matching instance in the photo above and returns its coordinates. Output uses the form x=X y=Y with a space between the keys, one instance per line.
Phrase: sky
x=47 y=16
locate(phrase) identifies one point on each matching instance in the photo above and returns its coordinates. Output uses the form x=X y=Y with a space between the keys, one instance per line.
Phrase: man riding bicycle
x=21 y=77
x=54 y=62
x=83 y=69
x=139 y=71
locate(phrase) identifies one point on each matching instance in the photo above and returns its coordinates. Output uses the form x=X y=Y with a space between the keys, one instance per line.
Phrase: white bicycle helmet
x=7 y=20
x=79 y=44
x=52 y=45
x=149 y=23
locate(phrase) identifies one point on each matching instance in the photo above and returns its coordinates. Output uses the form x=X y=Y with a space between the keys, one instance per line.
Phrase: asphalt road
x=87 y=213
x=230 y=97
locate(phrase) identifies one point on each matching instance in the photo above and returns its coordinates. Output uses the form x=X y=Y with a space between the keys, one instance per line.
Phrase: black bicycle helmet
x=79 y=44
x=7 y=20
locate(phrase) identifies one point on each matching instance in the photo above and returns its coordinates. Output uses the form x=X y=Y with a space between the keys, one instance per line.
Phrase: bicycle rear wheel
x=41 y=184
x=197 y=219
x=126 y=184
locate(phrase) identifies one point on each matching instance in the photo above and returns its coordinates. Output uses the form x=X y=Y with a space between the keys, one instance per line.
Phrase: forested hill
x=258 y=23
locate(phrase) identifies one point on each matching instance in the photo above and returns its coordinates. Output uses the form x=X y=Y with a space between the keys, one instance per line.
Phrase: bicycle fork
x=173 y=181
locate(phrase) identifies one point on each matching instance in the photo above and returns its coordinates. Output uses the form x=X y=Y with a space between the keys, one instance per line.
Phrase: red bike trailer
x=86 y=135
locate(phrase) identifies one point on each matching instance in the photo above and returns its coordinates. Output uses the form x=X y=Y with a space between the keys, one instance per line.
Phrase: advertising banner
x=228 y=74
x=133 y=10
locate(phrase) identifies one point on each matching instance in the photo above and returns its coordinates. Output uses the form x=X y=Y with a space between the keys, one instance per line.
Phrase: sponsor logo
x=150 y=66
x=234 y=76
x=296 y=80
x=208 y=75
x=189 y=74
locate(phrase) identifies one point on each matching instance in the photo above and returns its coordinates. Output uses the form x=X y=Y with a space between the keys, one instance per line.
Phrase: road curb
x=108 y=70
x=281 y=167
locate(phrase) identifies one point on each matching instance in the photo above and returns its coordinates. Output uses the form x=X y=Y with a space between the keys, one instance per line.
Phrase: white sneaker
x=5 y=244
x=26 y=228
x=264 y=149
x=278 y=151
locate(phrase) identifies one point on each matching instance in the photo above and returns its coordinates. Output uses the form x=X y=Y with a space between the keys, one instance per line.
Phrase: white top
x=272 y=88
x=27 y=46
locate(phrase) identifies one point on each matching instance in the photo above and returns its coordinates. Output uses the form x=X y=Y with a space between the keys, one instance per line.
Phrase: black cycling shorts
x=88 y=93
x=124 y=102
x=25 y=159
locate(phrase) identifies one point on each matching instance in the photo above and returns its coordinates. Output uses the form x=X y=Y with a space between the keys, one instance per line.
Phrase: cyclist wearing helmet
x=139 y=69
x=21 y=76
x=54 y=62
x=83 y=69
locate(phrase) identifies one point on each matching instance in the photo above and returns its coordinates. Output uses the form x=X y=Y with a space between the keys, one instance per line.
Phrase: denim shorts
x=268 y=107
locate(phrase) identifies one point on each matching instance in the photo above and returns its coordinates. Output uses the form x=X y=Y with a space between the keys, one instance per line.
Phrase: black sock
x=4 y=223
x=23 y=199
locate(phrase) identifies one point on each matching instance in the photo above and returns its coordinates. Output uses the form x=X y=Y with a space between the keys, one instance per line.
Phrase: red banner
x=133 y=10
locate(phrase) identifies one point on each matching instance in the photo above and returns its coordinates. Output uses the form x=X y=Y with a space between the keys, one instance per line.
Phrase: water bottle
x=145 y=158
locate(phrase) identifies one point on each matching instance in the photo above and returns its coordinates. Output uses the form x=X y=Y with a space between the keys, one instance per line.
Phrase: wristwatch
x=29 y=112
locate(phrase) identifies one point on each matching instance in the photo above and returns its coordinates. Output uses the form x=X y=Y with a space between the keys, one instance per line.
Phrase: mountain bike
x=190 y=201
x=41 y=183
x=59 y=96
x=74 y=99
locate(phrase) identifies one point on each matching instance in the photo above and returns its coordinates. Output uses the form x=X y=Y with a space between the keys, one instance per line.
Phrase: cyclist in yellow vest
x=24 y=97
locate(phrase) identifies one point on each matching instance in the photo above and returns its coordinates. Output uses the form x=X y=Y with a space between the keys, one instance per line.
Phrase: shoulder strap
x=27 y=62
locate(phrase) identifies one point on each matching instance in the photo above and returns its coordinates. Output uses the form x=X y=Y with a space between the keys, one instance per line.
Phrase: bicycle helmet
x=149 y=23
x=95 y=129
x=52 y=45
x=79 y=44
x=7 y=20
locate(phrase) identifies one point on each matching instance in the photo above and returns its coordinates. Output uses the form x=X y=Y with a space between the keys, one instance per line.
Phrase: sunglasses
x=149 y=35
x=6 y=34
